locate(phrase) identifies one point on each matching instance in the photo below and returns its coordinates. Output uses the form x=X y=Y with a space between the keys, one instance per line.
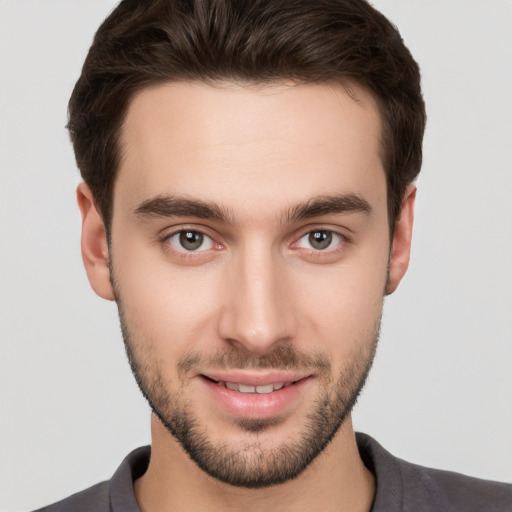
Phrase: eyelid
x=334 y=234
x=165 y=235
x=175 y=243
x=169 y=231
x=312 y=228
x=324 y=254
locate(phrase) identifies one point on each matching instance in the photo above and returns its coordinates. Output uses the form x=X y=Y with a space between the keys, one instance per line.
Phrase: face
x=249 y=256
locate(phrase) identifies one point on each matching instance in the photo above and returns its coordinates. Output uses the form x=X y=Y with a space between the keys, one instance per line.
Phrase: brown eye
x=190 y=241
x=320 y=240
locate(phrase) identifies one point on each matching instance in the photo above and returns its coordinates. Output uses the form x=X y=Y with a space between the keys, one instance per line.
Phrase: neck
x=336 y=480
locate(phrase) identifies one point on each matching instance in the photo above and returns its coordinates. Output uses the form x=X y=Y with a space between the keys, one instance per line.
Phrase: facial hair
x=251 y=465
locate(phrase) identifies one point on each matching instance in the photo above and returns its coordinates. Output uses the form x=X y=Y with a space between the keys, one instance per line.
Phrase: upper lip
x=256 y=377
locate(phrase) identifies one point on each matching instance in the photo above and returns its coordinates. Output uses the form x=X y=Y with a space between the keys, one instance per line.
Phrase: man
x=248 y=202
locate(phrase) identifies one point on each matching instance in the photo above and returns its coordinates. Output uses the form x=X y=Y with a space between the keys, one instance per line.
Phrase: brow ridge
x=165 y=206
x=327 y=205
x=170 y=206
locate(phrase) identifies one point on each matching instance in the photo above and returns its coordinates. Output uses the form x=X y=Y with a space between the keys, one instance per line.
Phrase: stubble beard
x=252 y=465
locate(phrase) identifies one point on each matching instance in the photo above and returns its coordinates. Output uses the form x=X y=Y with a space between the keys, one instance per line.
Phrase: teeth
x=242 y=388
x=265 y=389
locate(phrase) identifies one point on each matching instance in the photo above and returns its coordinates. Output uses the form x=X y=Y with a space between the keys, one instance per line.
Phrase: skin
x=257 y=284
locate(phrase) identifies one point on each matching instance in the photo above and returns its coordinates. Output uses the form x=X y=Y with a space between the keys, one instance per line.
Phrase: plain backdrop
x=441 y=389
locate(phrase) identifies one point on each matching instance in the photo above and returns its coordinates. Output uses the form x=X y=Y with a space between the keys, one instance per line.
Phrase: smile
x=257 y=395
x=262 y=389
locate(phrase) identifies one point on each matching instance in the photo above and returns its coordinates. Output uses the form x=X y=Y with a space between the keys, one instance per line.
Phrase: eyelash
x=168 y=247
x=332 y=237
x=203 y=254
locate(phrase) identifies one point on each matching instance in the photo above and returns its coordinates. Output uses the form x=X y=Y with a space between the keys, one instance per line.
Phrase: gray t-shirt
x=401 y=487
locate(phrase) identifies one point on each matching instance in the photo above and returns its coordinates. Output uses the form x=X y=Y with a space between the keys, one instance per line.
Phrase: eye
x=190 y=241
x=320 y=240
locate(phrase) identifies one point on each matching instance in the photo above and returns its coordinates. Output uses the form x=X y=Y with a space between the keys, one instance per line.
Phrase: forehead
x=248 y=144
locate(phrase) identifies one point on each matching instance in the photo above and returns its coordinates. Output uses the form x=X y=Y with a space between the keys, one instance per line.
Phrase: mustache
x=280 y=358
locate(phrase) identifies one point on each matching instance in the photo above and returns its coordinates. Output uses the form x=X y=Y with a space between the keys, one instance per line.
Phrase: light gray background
x=441 y=390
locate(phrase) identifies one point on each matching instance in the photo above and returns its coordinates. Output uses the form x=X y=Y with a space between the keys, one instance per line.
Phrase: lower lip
x=256 y=405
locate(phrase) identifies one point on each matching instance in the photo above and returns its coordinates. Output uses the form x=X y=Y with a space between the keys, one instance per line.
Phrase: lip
x=255 y=405
x=256 y=378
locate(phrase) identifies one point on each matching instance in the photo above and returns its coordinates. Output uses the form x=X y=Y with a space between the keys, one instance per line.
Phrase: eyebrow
x=170 y=206
x=328 y=205
x=164 y=206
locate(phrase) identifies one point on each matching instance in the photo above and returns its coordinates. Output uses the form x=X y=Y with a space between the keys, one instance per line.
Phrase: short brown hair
x=147 y=42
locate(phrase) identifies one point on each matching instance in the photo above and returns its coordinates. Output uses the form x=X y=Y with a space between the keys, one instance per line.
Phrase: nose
x=257 y=312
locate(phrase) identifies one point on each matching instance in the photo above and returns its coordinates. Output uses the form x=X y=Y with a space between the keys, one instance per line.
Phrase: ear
x=94 y=244
x=401 y=242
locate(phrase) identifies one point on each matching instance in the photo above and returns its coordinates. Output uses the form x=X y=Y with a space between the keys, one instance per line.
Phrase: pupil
x=320 y=239
x=191 y=240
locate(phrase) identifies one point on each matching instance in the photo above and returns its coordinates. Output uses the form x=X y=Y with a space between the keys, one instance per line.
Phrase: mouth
x=262 y=389
x=257 y=395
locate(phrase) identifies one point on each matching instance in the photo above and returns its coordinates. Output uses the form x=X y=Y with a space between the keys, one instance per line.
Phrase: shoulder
x=406 y=487
x=452 y=491
x=94 y=498
x=116 y=494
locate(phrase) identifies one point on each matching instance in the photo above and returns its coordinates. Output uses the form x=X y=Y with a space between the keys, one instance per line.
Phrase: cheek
x=165 y=306
x=344 y=304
